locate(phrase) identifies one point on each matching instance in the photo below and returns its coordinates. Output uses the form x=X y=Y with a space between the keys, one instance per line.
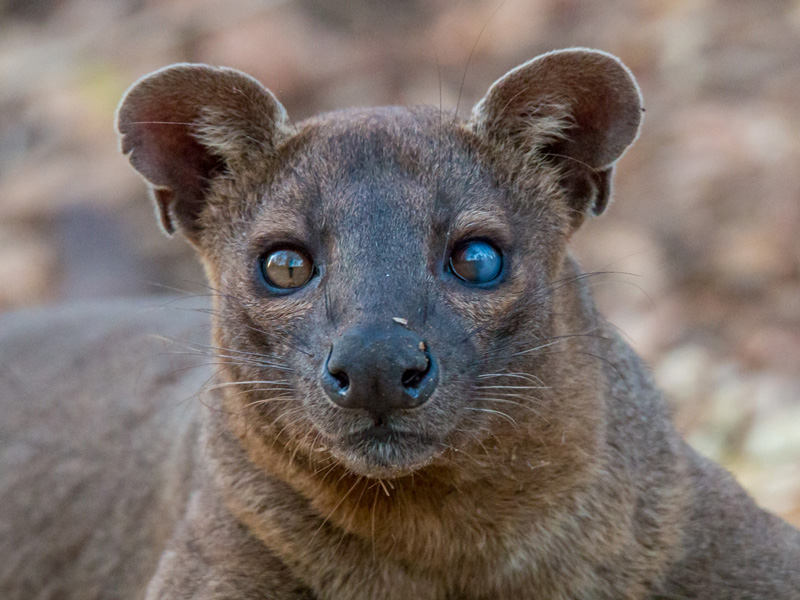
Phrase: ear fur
x=185 y=124
x=577 y=108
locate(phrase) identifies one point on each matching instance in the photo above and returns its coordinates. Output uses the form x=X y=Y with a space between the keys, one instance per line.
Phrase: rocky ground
x=702 y=242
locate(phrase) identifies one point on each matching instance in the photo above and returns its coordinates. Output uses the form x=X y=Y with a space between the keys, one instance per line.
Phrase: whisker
x=524 y=376
x=338 y=504
x=197 y=349
x=291 y=411
x=526 y=406
x=268 y=401
x=495 y=412
x=374 y=509
x=512 y=387
x=253 y=382
x=241 y=303
x=235 y=360
x=471 y=53
x=224 y=349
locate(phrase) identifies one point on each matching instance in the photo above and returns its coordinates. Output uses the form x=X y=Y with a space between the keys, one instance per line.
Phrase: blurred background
x=702 y=243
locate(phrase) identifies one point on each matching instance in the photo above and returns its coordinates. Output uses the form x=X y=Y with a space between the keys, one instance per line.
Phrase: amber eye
x=286 y=268
x=476 y=261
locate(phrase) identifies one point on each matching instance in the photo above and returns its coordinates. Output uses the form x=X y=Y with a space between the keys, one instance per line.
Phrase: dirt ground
x=702 y=242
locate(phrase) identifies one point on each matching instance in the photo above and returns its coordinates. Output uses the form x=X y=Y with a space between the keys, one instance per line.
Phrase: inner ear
x=588 y=191
x=184 y=126
x=180 y=171
x=579 y=109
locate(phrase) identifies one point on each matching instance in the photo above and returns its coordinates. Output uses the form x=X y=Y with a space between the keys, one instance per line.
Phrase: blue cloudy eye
x=476 y=261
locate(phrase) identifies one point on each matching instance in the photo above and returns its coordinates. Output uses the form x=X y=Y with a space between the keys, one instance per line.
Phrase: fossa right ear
x=184 y=125
x=579 y=109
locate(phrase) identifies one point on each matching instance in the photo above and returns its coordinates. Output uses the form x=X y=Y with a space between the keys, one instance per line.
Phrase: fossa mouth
x=382 y=451
x=386 y=434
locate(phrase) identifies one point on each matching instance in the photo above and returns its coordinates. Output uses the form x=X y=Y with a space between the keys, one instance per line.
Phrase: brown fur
x=543 y=466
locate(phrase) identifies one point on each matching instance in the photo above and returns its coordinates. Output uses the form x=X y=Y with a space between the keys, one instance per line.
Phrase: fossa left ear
x=577 y=108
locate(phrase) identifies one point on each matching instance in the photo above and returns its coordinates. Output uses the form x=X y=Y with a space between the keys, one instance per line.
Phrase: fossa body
x=412 y=395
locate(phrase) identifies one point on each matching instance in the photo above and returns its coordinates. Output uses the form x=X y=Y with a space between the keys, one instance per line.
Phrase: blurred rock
x=27 y=267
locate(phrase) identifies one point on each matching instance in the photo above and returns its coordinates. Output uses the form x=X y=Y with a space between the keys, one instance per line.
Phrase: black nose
x=379 y=369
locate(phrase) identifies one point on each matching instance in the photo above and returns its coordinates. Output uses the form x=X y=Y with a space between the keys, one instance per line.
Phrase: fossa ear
x=577 y=108
x=186 y=124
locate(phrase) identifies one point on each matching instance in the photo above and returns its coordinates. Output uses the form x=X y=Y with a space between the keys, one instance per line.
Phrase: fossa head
x=385 y=277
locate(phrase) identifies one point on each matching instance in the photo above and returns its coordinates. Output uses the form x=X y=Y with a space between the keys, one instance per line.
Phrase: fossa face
x=386 y=278
x=392 y=291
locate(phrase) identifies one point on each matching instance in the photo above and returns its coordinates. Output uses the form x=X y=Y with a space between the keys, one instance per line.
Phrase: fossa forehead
x=392 y=146
x=402 y=121
x=409 y=139
x=388 y=171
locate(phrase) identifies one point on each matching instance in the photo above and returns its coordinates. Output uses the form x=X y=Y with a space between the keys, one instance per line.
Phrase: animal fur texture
x=148 y=455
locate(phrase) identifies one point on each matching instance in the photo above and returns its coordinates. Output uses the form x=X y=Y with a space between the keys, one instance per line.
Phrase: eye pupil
x=476 y=261
x=286 y=268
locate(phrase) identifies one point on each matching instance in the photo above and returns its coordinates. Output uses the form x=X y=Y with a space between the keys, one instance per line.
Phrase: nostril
x=338 y=377
x=412 y=378
x=342 y=379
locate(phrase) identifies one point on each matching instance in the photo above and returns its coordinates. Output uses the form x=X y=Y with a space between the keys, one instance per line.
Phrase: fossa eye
x=286 y=268
x=476 y=261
